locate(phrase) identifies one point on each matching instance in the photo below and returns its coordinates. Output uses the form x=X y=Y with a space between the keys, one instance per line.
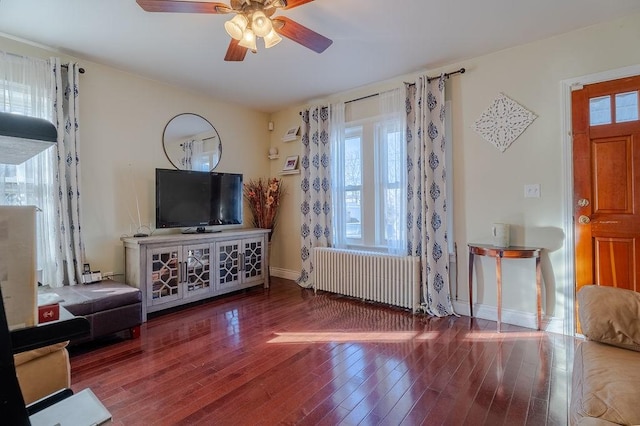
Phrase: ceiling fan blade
x=235 y=53
x=184 y=6
x=301 y=34
x=295 y=3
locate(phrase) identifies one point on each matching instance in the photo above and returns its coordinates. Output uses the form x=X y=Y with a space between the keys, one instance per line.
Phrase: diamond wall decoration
x=503 y=121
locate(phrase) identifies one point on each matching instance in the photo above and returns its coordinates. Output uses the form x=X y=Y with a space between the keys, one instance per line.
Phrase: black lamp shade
x=22 y=137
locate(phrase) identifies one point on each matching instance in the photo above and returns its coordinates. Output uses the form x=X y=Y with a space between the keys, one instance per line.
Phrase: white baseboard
x=287 y=274
x=510 y=316
x=461 y=308
x=490 y=313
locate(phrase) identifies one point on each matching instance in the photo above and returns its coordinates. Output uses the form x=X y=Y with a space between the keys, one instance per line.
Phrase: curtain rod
x=80 y=70
x=429 y=79
x=448 y=74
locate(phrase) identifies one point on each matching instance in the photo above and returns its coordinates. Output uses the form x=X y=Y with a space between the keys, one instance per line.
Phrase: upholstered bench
x=109 y=306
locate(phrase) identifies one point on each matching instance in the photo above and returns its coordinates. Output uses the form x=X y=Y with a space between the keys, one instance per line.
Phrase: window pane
x=394 y=157
x=354 y=218
x=626 y=107
x=600 y=110
x=352 y=162
x=392 y=214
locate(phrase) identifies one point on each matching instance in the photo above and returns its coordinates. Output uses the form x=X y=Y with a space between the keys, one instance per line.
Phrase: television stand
x=176 y=269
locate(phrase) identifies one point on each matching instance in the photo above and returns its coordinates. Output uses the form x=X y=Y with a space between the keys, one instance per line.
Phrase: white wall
x=488 y=184
x=122 y=117
x=285 y=248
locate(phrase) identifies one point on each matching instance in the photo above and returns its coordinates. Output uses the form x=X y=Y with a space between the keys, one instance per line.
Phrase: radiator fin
x=394 y=280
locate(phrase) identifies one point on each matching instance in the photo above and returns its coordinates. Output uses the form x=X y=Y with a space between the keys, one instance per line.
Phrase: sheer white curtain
x=50 y=180
x=27 y=88
x=337 y=138
x=392 y=182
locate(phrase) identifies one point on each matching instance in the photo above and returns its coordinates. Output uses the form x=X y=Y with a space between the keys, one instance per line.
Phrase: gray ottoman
x=109 y=306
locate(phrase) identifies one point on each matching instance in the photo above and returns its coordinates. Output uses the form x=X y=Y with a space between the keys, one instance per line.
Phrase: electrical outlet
x=532 y=190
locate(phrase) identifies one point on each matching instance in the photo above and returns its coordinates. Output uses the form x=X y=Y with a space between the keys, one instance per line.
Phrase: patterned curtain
x=316 y=193
x=71 y=249
x=426 y=193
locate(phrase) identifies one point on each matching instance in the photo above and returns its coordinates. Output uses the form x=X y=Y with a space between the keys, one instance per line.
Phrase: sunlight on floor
x=476 y=336
x=341 y=337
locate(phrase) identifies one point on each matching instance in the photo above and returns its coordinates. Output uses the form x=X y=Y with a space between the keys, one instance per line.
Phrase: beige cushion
x=610 y=315
x=43 y=371
x=606 y=381
x=27 y=356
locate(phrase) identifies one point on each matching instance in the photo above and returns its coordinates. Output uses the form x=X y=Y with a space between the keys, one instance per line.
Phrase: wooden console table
x=505 y=252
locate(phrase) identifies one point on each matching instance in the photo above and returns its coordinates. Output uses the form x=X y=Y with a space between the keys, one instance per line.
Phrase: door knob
x=583 y=202
x=584 y=219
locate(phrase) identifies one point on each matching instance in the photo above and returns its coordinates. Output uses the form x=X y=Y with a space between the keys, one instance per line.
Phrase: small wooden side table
x=499 y=253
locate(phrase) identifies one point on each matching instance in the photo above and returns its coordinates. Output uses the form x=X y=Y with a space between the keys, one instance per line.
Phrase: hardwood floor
x=287 y=356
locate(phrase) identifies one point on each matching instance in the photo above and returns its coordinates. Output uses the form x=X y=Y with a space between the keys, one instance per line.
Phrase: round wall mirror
x=191 y=142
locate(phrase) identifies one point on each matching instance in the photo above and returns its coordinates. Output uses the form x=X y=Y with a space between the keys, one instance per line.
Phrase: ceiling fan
x=253 y=19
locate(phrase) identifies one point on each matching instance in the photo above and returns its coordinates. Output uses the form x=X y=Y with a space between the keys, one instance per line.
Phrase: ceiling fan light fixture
x=272 y=39
x=261 y=24
x=248 y=40
x=278 y=3
x=236 y=26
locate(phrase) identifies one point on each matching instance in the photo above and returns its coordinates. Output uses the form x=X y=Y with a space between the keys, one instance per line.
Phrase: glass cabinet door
x=253 y=258
x=228 y=262
x=164 y=275
x=197 y=273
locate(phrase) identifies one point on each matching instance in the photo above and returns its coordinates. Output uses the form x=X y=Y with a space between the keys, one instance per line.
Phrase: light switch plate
x=532 y=190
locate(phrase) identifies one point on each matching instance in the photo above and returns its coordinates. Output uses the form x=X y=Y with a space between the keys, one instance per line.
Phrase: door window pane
x=600 y=110
x=626 y=107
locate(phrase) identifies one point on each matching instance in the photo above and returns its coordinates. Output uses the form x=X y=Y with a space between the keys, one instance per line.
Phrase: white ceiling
x=374 y=40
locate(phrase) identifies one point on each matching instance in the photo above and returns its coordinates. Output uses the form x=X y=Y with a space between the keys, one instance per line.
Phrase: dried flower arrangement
x=263 y=197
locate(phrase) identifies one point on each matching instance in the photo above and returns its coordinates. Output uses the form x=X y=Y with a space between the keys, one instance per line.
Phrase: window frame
x=372 y=226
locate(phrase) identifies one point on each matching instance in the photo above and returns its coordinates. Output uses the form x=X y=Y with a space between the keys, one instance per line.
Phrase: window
x=26 y=87
x=623 y=105
x=353 y=183
x=390 y=178
x=18 y=185
x=371 y=198
x=370 y=187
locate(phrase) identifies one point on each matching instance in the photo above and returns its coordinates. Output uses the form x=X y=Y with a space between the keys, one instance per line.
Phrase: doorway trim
x=567 y=178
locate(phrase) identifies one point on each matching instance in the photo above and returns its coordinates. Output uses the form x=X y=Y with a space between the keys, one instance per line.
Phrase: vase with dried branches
x=264 y=196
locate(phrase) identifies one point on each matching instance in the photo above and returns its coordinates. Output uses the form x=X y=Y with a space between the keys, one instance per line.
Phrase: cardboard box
x=18 y=265
x=48 y=313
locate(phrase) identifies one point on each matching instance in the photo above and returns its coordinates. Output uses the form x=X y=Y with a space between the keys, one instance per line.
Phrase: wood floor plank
x=286 y=355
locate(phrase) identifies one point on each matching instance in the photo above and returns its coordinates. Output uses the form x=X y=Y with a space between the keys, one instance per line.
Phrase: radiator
x=394 y=280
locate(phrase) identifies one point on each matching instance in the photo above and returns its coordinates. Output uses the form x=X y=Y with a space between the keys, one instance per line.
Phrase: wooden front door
x=606 y=169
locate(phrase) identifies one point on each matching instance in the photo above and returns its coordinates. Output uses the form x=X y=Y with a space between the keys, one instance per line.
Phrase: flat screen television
x=192 y=199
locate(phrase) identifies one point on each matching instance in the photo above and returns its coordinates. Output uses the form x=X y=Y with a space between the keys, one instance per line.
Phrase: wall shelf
x=290 y=172
x=274 y=157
